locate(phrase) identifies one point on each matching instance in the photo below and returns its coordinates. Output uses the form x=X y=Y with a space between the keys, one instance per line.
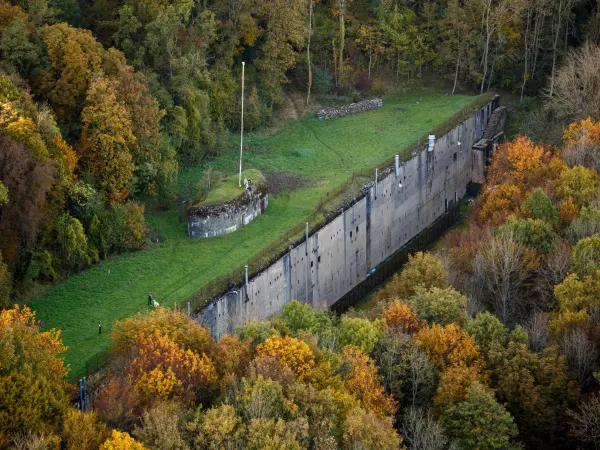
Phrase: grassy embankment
x=323 y=153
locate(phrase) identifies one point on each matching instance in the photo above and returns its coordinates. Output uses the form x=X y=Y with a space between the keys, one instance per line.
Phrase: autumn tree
x=579 y=184
x=291 y=352
x=364 y=429
x=121 y=441
x=83 y=431
x=215 y=428
x=449 y=346
x=581 y=140
x=363 y=381
x=400 y=316
x=165 y=370
x=182 y=330
x=32 y=387
x=107 y=139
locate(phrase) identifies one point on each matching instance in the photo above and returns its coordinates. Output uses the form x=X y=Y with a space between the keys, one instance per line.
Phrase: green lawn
x=325 y=152
x=228 y=189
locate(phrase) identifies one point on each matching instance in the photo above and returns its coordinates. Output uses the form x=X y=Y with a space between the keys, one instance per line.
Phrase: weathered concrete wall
x=341 y=254
x=225 y=219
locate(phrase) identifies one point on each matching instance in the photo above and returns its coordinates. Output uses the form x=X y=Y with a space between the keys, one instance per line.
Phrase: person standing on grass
x=99 y=327
x=150 y=299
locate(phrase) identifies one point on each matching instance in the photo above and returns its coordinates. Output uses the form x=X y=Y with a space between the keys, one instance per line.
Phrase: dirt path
x=288 y=109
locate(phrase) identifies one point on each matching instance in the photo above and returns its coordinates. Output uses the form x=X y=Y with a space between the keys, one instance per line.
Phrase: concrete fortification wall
x=224 y=219
x=340 y=255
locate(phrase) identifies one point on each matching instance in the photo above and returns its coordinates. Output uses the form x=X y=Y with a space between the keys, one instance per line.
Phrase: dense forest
x=103 y=101
x=489 y=342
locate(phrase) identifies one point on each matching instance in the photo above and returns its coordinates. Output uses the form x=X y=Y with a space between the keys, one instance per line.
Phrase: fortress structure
x=406 y=200
x=217 y=219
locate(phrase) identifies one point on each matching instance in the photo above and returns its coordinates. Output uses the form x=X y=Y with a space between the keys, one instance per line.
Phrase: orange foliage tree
x=364 y=383
x=523 y=163
x=452 y=389
x=185 y=332
x=583 y=129
x=401 y=317
x=165 y=369
x=449 y=346
x=291 y=353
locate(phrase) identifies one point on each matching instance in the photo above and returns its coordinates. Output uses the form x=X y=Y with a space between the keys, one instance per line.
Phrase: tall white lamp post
x=242 y=126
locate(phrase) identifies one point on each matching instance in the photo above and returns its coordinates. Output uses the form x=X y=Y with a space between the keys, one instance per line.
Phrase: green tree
x=585 y=257
x=488 y=331
x=282 y=33
x=536 y=389
x=443 y=306
x=534 y=233
x=72 y=241
x=540 y=206
x=422 y=269
x=361 y=333
x=480 y=422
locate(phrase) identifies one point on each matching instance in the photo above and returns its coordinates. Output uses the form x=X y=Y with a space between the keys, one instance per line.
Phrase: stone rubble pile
x=352 y=108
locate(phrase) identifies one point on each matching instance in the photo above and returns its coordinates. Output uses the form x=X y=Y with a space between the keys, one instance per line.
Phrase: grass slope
x=326 y=152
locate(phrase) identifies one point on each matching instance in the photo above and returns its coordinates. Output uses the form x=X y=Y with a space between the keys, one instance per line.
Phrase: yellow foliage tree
x=449 y=346
x=121 y=441
x=32 y=387
x=586 y=129
x=292 y=353
x=579 y=184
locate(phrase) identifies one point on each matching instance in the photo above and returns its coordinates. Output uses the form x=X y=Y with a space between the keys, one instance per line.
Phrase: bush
x=120 y=228
x=364 y=84
x=322 y=81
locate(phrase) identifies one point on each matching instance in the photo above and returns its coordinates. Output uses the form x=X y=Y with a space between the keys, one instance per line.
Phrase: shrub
x=322 y=81
x=364 y=84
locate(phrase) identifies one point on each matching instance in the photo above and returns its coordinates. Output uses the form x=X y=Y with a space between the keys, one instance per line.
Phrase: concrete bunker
x=223 y=214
